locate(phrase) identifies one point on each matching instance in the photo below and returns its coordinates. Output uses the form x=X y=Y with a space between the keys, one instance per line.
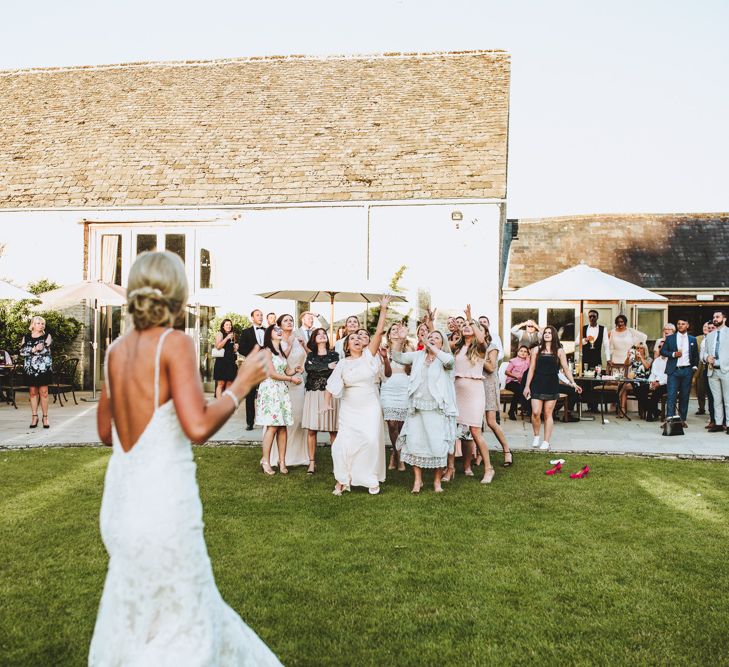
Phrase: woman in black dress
x=225 y=367
x=37 y=365
x=319 y=364
x=542 y=384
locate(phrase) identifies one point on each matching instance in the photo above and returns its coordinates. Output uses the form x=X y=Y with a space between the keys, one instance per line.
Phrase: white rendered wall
x=456 y=260
x=259 y=249
x=41 y=244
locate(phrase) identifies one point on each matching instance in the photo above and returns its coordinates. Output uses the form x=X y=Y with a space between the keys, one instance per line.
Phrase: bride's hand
x=254 y=369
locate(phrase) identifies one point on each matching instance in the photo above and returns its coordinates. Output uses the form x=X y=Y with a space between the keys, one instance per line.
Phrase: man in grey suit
x=717 y=361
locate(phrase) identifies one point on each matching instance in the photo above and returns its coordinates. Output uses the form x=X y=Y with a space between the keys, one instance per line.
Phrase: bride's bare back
x=131 y=364
x=130 y=368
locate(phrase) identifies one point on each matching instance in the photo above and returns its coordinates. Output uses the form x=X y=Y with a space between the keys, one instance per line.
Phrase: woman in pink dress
x=470 y=352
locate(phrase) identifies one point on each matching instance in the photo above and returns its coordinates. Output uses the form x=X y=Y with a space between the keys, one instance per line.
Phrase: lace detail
x=160 y=604
x=394 y=414
x=424 y=461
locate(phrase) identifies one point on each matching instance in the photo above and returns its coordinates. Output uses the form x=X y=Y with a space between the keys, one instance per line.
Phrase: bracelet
x=233 y=398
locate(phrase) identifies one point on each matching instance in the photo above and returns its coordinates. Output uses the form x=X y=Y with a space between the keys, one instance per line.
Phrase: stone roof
x=256 y=130
x=655 y=251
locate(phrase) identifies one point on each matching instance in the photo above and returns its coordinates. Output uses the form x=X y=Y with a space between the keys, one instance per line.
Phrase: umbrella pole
x=582 y=308
x=94 y=346
x=331 y=318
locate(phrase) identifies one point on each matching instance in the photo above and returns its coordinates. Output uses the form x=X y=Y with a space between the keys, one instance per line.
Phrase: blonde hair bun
x=156 y=290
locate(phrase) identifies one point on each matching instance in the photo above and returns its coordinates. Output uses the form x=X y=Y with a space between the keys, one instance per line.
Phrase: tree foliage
x=15 y=320
x=42 y=285
x=240 y=322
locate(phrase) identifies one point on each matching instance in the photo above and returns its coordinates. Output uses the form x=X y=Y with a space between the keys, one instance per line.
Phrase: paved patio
x=76 y=425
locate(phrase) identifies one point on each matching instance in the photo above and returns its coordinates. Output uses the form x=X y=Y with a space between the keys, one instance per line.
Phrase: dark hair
x=722 y=311
x=591 y=311
x=256 y=310
x=312 y=345
x=222 y=325
x=267 y=314
x=623 y=318
x=526 y=347
x=554 y=346
x=365 y=330
x=268 y=341
x=280 y=318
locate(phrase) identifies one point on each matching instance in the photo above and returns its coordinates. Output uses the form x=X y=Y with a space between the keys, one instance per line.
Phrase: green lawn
x=626 y=567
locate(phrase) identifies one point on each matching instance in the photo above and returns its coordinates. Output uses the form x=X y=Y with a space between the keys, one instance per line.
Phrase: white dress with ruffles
x=429 y=432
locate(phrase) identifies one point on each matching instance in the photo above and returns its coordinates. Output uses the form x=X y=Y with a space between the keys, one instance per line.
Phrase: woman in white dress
x=429 y=432
x=358 y=453
x=394 y=390
x=293 y=348
x=160 y=604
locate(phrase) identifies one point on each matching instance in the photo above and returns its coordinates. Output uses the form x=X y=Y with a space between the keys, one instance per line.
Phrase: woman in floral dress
x=273 y=403
x=37 y=365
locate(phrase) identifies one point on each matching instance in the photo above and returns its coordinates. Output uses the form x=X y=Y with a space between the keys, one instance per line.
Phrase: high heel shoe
x=582 y=473
x=437 y=488
x=266 y=468
x=34 y=424
x=508 y=462
x=45 y=422
x=338 y=489
x=283 y=469
x=468 y=472
x=488 y=476
x=312 y=467
x=554 y=470
x=416 y=489
x=448 y=475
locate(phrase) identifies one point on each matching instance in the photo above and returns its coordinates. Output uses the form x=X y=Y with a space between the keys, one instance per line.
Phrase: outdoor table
x=4 y=370
x=602 y=380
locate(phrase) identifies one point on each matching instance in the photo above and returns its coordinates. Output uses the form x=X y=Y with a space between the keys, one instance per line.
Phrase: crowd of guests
x=434 y=394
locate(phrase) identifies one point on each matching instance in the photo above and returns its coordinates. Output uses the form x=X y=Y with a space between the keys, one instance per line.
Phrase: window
x=650 y=322
x=111 y=258
x=205 y=269
x=176 y=243
x=563 y=319
x=146 y=243
x=519 y=315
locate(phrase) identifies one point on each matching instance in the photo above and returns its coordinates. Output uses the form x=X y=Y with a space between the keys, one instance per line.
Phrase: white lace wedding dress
x=160 y=604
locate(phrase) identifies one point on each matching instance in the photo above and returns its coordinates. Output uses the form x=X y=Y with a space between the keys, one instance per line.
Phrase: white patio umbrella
x=583 y=283
x=13 y=293
x=98 y=293
x=330 y=296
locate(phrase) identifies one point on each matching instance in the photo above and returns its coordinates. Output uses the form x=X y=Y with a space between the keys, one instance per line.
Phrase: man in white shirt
x=595 y=342
x=717 y=361
x=657 y=385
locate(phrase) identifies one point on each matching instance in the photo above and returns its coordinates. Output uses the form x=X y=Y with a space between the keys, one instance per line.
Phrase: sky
x=615 y=107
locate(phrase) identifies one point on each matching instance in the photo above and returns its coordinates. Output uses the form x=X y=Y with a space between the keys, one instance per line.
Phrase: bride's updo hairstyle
x=156 y=290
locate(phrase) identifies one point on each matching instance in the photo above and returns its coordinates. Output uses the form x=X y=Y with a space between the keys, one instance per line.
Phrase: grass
x=627 y=567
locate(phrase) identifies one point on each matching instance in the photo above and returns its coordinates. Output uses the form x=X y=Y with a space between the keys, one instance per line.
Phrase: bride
x=160 y=604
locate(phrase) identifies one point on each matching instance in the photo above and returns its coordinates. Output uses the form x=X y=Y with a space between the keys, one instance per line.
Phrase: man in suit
x=717 y=362
x=251 y=337
x=682 y=352
x=309 y=322
x=594 y=343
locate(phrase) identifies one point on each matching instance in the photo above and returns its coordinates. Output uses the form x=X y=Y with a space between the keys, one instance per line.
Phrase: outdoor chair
x=13 y=381
x=65 y=380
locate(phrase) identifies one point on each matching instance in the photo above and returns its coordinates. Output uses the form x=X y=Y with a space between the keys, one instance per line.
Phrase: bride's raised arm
x=198 y=418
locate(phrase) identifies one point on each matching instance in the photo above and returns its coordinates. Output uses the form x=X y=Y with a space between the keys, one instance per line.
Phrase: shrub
x=240 y=322
x=15 y=319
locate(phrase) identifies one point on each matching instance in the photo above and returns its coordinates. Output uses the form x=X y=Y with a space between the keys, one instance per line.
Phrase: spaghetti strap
x=156 y=366
x=107 y=384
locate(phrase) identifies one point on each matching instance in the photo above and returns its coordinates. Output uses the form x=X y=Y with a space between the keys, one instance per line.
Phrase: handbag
x=673 y=426
x=217 y=353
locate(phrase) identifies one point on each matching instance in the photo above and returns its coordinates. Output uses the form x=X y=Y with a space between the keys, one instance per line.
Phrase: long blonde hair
x=156 y=290
x=474 y=352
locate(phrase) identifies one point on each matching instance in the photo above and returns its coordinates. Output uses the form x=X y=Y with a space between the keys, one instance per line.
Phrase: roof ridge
x=609 y=216
x=245 y=59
